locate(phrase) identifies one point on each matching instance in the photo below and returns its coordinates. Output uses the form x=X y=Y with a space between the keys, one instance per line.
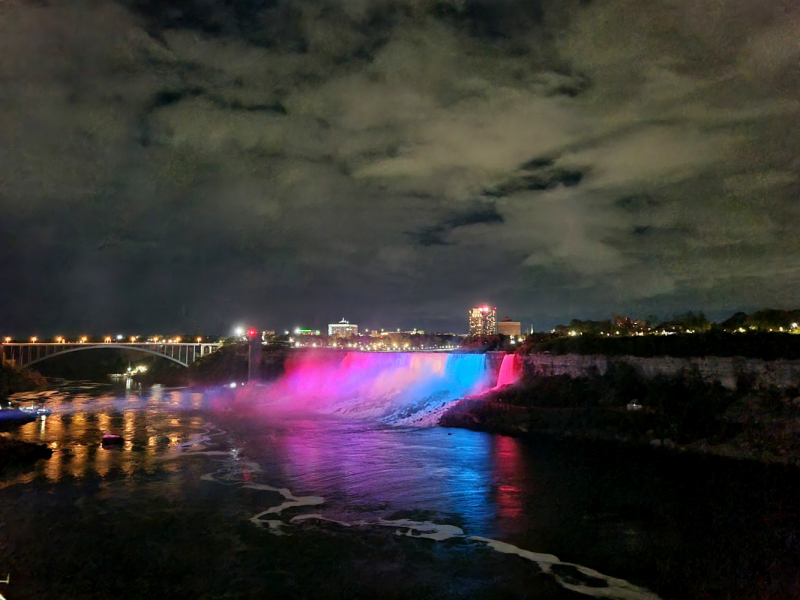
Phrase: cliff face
x=760 y=373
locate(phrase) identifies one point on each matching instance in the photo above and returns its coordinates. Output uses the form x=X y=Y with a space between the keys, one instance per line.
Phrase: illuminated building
x=342 y=329
x=483 y=320
x=301 y=331
x=509 y=327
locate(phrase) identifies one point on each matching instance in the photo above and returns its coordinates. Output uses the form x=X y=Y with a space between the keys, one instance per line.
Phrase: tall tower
x=483 y=320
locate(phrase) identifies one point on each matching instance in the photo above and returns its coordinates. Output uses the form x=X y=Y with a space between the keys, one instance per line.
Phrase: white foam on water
x=196 y=445
x=618 y=589
x=424 y=529
x=291 y=502
x=545 y=561
x=615 y=588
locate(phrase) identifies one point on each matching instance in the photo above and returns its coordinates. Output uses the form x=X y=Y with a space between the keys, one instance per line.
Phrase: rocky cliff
x=759 y=373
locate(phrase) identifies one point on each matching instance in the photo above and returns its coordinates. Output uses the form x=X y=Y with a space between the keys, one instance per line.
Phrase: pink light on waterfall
x=396 y=387
x=510 y=371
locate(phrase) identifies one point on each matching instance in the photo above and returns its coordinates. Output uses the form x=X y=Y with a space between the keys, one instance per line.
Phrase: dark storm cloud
x=436 y=234
x=180 y=164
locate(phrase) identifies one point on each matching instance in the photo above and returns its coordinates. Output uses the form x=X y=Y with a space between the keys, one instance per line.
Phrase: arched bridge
x=24 y=355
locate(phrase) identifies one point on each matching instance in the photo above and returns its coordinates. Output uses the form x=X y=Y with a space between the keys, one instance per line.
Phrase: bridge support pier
x=254 y=358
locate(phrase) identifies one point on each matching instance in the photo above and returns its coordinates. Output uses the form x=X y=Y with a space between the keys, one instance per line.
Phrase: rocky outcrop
x=16 y=453
x=728 y=371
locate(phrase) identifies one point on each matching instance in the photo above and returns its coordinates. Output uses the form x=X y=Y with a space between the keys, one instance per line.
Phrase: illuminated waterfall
x=510 y=371
x=395 y=387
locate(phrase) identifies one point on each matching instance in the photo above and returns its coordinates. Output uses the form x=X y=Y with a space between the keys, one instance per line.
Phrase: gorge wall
x=726 y=370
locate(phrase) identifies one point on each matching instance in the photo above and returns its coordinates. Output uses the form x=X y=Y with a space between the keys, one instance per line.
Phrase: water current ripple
x=237 y=471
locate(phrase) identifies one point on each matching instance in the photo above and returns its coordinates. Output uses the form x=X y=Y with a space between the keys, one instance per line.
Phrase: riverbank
x=14 y=380
x=679 y=414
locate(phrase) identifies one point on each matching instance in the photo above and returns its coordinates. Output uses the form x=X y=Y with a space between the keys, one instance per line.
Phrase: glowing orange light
x=33 y=339
x=8 y=339
x=83 y=339
x=199 y=339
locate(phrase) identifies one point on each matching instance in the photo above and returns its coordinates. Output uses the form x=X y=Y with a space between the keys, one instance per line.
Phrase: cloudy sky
x=177 y=165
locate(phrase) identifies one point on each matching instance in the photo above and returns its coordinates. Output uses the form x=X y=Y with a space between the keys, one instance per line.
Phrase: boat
x=12 y=415
x=36 y=410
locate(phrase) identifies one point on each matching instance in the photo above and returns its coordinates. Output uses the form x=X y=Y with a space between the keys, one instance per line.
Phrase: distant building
x=342 y=329
x=301 y=331
x=482 y=320
x=509 y=327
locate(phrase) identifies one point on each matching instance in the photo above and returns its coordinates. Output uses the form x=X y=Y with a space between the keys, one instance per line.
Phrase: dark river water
x=205 y=503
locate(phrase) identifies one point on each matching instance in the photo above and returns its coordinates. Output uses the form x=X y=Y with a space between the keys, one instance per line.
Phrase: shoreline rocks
x=14 y=453
x=589 y=424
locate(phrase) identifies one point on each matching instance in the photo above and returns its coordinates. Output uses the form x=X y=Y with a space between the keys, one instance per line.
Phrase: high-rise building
x=342 y=329
x=509 y=327
x=483 y=320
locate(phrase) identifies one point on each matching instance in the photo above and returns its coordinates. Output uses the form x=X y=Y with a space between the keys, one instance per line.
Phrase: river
x=205 y=501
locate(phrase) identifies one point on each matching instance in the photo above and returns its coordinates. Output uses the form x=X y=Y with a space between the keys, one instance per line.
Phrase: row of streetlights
x=108 y=340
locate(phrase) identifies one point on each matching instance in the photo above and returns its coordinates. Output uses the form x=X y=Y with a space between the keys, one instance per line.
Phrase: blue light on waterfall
x=394 y=386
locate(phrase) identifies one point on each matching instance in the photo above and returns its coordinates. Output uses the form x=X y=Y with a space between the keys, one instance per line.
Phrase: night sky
x=189 y=165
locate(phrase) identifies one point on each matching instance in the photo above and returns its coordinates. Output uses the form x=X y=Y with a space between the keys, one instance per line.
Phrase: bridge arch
x=104 y=347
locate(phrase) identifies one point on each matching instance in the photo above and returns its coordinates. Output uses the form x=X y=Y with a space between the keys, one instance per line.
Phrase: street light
x=8 y=339
x=83 y=339
x=199 y=340
x=33 y=339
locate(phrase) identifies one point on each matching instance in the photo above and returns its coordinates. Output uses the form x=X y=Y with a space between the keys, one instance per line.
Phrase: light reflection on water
x=368 y=470
x=628 y=514
x=151 y=422
x=360 y=468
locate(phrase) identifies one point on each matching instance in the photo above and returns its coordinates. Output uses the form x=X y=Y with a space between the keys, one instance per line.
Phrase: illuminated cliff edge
x=393 y=387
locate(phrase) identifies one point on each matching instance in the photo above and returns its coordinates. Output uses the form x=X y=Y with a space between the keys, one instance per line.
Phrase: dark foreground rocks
x=14 y=453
